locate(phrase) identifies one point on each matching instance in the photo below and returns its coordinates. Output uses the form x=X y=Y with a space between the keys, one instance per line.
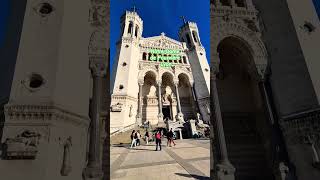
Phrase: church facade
x=158 y=78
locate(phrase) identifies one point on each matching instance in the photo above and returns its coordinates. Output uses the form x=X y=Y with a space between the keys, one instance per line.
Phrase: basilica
x=158 y=78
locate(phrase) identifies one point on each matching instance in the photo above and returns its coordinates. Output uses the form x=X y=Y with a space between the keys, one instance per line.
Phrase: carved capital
x=140 y=82
x=98 y=68
x=159 y=82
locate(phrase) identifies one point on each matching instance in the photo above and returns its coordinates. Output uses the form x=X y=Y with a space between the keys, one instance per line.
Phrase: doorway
x=166 y=112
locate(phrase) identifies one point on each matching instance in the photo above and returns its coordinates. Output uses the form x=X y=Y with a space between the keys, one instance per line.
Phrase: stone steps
x=245 y=149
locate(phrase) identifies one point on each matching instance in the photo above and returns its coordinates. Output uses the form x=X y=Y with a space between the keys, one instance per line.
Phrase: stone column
x=180 y=133
x=266 y=99
x=179 y=115
x=93 y=171
x=160 y=115
x=224 y=169
x=139 y=114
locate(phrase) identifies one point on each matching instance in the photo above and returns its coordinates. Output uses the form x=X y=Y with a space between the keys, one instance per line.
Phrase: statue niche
x=166 y=97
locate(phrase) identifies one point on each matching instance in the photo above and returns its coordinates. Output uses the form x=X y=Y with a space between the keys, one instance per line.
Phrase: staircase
x=245 y=149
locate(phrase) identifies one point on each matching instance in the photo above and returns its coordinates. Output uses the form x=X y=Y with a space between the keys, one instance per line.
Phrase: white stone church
x=157 y=78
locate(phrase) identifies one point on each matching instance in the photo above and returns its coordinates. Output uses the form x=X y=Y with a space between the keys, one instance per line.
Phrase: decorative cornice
x=24 y=113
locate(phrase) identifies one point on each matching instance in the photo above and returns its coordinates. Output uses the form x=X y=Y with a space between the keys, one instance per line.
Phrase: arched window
x=184 y=60
x=144 y=56
x=136 y=32
x=188 y=39
x=240 y=3
x=149 y=55
x=130 y=28
x=194 y=34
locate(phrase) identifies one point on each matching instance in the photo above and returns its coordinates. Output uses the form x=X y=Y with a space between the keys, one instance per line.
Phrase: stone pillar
x=180 y=133
x=224 y=169
x=160 y=115
x=179 y=115
x=193 y=127
x=93 y=171
x=266 y=100
x=139 y=114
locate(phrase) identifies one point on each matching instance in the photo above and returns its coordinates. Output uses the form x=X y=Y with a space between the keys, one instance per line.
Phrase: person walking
x=170 y=138
x=133 y=139
x=158 y=140
x=147 y=137
x=138 y=135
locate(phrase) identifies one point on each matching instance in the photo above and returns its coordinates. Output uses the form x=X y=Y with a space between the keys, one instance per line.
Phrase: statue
x=152 y=91
x=166 y=95
x=66 y=163
x=130 y=113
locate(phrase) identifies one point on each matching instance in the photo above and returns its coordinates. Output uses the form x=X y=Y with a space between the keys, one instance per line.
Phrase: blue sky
x=4 y=8
x=162 y=16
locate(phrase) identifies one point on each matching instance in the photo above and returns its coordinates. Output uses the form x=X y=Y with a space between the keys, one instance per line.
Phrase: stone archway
x=149 y=98
x=188 y=106
x=168 y=97
x=244 y=118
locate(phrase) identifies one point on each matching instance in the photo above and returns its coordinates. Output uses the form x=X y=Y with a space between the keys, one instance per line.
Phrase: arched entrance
x=188 y=106
x=168 y=97
x=243 y=114
x=149 y=98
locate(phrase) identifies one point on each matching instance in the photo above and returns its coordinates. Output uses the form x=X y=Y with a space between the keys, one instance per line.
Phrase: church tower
x=196 y=53
x=46 y=118
x=124 y=86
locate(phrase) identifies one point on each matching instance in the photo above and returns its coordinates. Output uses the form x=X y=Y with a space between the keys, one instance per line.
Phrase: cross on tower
x=134 y=8
x=183 y=19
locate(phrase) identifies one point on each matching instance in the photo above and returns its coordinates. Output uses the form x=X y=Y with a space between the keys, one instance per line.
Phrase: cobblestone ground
x=189 y=159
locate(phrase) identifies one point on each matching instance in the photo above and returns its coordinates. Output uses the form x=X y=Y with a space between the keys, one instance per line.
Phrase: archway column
x=266 y=100
x=93 y=169
x=160 y=115
x=179 y=116
x=224 y=169
x=139 y=114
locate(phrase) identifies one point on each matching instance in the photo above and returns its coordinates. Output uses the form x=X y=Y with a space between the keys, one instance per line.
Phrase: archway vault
x=251 y=39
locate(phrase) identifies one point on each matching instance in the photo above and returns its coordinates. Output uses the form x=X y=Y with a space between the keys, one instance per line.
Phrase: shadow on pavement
x=194 y=176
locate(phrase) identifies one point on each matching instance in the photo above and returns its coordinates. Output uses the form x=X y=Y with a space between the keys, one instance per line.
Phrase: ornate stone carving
x=97 y=67
x=23 y=146
x=116 y=107
x=297 y=128
x=98 y=15
x=66 y=163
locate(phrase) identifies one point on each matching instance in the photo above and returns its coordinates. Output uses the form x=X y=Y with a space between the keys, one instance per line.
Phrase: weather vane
x=183 y=19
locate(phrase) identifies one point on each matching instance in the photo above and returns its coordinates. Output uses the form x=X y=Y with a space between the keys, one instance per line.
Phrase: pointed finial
x=134 y=8
x=183 y=19
x=162 y=34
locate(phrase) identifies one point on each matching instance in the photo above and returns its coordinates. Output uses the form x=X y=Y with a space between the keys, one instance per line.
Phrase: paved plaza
x=189 y=159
